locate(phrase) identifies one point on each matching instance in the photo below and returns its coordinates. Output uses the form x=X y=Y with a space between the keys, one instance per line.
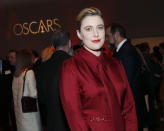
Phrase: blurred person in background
x=161 y=46
x=149 y=81
x=126 y=52
x=6 y=97
x=47 y=53
x=24 y=78
x=48 y=82
x=157 y=73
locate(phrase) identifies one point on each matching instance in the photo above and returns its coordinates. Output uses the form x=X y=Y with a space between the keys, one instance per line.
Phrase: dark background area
x=141 y=18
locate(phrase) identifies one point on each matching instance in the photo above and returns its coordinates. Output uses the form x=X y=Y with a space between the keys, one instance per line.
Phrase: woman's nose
x=95 y=33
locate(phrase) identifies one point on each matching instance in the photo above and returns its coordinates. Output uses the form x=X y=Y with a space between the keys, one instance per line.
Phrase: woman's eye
x=88 y=29
x=101 y=27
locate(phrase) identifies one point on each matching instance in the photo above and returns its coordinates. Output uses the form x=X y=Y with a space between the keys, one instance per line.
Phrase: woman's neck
x=95 y=52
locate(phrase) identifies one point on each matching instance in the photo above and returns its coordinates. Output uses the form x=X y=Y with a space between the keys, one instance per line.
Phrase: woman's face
x=92 y=32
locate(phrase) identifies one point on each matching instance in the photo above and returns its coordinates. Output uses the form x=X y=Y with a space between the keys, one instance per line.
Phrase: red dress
x=95 y=94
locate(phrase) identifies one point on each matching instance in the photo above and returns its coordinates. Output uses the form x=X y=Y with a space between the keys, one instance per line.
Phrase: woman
x=94 y=89
x=25 y=121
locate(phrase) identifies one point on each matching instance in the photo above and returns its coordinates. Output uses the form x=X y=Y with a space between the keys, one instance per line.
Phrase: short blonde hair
x=86 y=12
x=47 y=53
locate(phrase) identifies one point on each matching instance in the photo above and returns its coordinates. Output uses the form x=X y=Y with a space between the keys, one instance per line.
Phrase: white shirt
x=120 y=45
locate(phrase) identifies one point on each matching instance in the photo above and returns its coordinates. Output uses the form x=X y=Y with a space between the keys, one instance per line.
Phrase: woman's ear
x=70 y=44
x=79 y=34
x=116 y=35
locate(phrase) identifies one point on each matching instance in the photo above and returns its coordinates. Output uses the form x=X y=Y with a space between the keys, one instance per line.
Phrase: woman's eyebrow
x=87 y=26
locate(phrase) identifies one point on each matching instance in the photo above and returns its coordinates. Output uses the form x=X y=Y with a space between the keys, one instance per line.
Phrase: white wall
x=153 y=41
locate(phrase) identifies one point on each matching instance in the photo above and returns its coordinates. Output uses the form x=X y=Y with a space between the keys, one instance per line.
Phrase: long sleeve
x=128 y=106
x=130 y=65
x=70 y=97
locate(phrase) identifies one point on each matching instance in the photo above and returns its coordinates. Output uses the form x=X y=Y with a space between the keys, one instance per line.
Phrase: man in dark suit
x=6 y=95
x=131 y=61
x=48 y=83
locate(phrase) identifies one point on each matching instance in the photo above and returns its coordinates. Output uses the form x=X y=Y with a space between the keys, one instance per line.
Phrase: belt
x=98 y=118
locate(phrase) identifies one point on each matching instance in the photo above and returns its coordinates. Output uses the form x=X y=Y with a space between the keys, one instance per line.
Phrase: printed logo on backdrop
x=36 y=27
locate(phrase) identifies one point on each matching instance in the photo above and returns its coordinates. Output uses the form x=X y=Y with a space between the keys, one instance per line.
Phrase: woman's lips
x=95 y=41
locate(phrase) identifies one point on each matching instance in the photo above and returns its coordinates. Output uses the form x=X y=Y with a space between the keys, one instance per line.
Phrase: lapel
x=122 y=49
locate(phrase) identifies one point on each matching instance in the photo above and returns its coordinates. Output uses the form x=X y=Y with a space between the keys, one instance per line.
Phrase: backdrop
x=30 y=24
